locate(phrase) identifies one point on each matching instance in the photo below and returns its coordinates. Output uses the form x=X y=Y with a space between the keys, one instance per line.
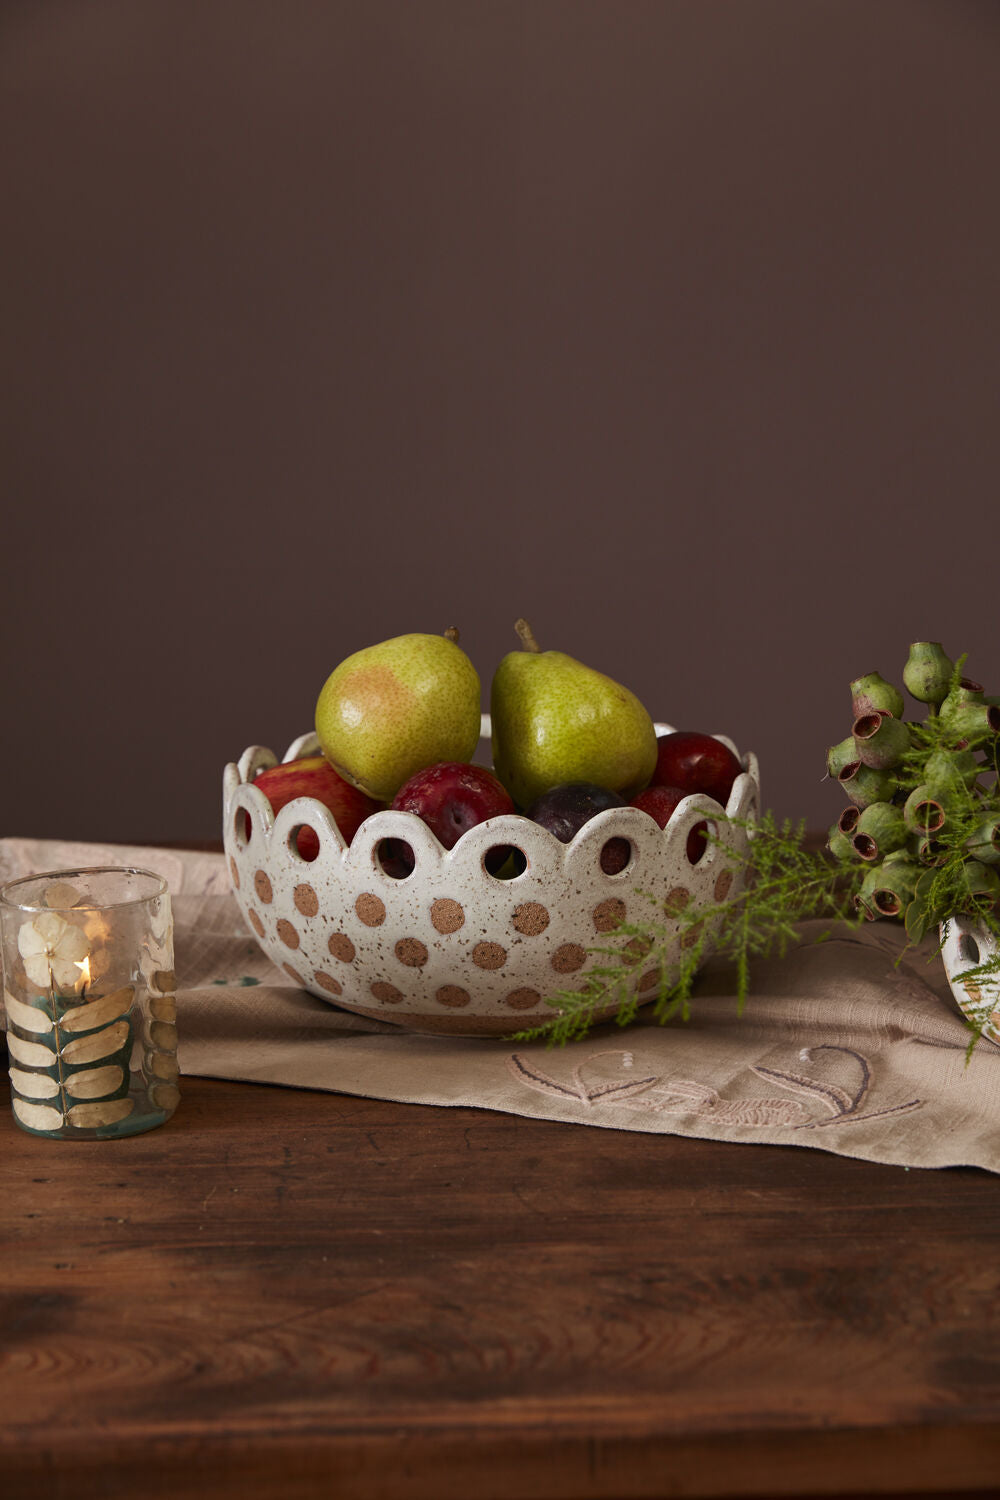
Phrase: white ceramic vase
x=966 y=944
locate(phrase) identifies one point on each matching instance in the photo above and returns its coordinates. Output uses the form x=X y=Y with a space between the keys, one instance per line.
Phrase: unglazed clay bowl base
x=452 y=948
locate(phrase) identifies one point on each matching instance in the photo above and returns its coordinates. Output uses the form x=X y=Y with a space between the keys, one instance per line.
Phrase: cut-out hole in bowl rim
x=242 y=827
x=697 y=845
x=395 y=858
x=616 y=855
x=303 y=841
x=505 y=862
x=968 y=950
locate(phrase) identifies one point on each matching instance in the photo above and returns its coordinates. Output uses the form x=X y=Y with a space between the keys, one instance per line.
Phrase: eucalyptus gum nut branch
x=922 y=812
x=928 y=672
x=840 y=755
x=872 y=694
x=879 y=831
x=984 y=842
x=864 y=785
x=881 y=741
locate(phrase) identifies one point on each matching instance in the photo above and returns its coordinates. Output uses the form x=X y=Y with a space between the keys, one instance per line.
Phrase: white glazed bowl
x=452 y=948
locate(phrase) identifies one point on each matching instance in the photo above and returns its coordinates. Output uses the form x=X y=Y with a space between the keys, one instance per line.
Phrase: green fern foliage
x=786 y=882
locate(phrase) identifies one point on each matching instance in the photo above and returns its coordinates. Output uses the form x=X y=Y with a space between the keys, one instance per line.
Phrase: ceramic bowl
x=452 y=948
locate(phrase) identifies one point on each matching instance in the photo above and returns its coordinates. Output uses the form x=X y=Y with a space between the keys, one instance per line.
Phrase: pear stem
x=451 y=634
x=526 y=635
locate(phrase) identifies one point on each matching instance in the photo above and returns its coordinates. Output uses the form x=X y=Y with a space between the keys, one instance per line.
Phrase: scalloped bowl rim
x=507 y=828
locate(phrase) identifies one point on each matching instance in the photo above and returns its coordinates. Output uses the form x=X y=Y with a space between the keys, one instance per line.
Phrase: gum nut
x=873 y=694
x=864 y=895
x=880 y=830
x=880 y=740
x=981 y=882
x=893 y=887
x=839 y=844
x=928 y=671
x=922 y=812
x=984 y=842
x=840 y=755
x=964 y=691
x=948 y=770
x=931 y=852
x=970 y=721
x=863 y=785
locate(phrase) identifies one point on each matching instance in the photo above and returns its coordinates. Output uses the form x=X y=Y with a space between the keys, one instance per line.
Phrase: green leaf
x=916 y=926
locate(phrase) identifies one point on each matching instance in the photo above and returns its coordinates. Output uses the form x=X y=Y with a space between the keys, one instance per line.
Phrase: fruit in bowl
x=390 y=710
x=556 y=721
x=313 y=776
x=457 y=910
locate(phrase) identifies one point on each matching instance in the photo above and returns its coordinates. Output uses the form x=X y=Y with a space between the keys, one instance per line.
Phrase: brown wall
x=673 y=326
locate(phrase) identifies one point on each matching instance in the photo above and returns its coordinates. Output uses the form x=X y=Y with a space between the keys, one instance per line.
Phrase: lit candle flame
x=84 y=968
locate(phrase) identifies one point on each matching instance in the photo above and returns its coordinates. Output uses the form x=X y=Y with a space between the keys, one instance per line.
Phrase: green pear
x=391 y=709
x=556 y=720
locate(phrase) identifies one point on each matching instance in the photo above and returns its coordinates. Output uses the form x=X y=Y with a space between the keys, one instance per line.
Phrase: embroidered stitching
x=845 y=1108
x=684 y=1096
x=535 y=1078
x=687 y=1096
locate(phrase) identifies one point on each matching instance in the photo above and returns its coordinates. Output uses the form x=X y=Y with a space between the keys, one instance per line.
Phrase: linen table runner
x=842 y=1046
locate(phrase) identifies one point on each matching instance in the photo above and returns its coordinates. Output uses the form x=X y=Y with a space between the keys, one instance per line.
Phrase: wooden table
x=294 y=1294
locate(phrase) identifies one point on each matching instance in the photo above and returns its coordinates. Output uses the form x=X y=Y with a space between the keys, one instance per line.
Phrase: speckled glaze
x=451 y=948
x=965 y=944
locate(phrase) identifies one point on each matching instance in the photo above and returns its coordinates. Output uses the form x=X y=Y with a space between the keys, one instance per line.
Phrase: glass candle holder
x=89 y=994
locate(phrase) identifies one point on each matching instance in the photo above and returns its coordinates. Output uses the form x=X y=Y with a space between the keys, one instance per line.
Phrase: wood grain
x=291 y=1293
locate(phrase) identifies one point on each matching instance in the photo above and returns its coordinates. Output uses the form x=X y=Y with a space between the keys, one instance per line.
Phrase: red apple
x=661 y=802
x=695 y=763
x=313 y=776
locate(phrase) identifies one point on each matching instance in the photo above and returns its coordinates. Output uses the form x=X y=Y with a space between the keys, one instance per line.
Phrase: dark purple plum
x=563 y=810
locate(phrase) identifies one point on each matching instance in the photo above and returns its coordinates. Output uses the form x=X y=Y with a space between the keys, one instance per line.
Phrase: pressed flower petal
x=72 y=944
x=50 y=926
x=66 y=973
x=29 y=941
x=37 y=969
x=62 y=894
